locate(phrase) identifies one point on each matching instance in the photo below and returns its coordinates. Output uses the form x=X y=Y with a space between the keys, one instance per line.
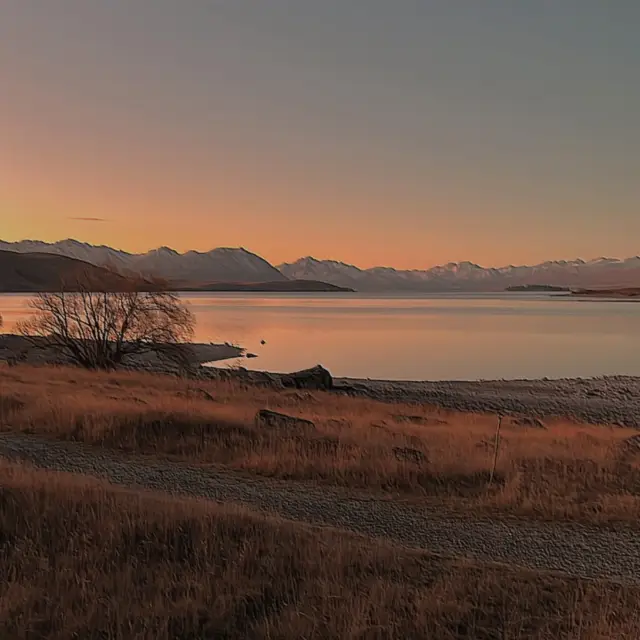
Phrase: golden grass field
x=83 y=559
x=566 y=471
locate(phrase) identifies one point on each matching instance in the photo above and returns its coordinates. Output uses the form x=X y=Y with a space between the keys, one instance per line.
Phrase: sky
x=405 y=133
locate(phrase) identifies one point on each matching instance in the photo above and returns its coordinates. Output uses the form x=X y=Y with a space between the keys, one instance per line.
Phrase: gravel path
x=608 y=400
x=576 y=550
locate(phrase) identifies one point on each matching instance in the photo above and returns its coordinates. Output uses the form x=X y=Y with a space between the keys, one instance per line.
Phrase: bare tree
x=98 y=328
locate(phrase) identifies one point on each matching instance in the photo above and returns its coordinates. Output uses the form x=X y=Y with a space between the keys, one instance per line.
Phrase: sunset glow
x=400 y=137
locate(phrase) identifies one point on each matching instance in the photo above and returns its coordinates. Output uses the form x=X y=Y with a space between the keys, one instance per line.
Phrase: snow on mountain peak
x=468 y=275
x=218 y=265
x=229 y=264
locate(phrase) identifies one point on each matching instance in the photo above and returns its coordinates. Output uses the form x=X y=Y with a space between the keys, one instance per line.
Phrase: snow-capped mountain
x=218 y=265
x=240 y=265
x=467 y=276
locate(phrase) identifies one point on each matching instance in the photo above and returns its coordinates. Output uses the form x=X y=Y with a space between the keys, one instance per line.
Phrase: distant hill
x=43 y=272
x=217 y=265
x=280 y=286
x=537 y=287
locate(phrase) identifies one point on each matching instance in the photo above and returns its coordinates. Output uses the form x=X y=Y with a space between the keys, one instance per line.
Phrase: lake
x=418 y=337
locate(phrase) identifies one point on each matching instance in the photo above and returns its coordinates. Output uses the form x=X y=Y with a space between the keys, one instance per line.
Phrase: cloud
x=80 y=219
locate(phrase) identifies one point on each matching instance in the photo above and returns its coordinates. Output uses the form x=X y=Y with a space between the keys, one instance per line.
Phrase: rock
x=315 y=378
x=251 y=355
x=274 y=420
x=407 y=454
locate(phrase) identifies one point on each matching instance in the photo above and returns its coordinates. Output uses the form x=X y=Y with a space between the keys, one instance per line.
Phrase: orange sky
x=280 y=222
x=484 y=135
x=144 y=202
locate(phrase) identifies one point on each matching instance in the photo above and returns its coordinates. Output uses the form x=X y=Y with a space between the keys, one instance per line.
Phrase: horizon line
x=306 y=257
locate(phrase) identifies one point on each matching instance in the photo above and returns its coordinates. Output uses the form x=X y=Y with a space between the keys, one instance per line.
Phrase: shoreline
x=607 y=400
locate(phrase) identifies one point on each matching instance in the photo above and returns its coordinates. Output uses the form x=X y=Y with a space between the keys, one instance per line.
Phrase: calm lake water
x=419 y=337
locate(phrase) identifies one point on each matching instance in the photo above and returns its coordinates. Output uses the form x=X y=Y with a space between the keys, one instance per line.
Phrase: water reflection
x=419 y=337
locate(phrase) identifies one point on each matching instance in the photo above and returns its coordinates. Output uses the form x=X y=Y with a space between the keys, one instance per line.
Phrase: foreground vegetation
x=83 y=559
x=566 y=471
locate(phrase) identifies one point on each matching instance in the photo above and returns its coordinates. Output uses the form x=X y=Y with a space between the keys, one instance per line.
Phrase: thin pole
x=495 y=451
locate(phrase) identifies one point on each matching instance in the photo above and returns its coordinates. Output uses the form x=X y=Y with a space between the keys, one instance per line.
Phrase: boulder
x=315 y=378
x=274 y=420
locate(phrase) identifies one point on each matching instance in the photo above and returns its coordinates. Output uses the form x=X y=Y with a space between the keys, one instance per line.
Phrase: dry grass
x=82 y=559
x=566 y=471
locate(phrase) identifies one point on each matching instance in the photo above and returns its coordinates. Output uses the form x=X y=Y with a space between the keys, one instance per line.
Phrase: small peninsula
x=536 y=287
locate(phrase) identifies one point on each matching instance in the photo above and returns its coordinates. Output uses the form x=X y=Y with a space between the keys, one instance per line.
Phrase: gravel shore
x=609 y=400
x=575 y=550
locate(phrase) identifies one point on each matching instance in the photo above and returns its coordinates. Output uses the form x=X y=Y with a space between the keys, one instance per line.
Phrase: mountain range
x=468 y=276
x=231 y=265
x=193 y=267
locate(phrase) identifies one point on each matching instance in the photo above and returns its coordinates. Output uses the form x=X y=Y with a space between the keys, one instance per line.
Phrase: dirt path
x=573 y=549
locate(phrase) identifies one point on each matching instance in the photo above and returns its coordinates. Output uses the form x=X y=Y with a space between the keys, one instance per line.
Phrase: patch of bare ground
x=564 y=470
x=83 y=559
